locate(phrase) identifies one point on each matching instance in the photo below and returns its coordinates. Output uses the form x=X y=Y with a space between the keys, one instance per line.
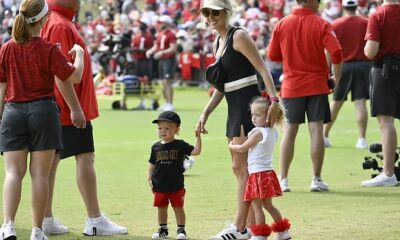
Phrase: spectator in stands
x=299 y=41
x=350 y=31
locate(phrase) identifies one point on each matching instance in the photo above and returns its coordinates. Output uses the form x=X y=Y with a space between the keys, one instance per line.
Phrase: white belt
x=240 y=83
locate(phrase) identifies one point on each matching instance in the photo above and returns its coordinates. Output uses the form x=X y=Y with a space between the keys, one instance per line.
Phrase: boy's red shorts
x=177 y=199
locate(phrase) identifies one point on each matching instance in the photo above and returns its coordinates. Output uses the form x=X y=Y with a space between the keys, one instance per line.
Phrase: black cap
x=168 y=116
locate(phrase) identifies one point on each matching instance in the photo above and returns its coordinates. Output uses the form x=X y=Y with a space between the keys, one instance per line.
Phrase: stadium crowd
x=113 y=32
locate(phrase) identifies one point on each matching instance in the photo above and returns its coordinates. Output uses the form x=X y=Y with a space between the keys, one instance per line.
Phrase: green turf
x=123 y=140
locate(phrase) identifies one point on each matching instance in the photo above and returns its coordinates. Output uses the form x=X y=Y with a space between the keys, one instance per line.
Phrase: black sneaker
x=181 y=233
x=162 y=233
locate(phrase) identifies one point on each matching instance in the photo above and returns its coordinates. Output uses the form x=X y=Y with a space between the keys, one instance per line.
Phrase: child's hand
x=150 y=183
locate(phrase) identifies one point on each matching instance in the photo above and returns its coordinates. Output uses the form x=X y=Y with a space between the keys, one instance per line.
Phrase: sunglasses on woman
x=207 y=12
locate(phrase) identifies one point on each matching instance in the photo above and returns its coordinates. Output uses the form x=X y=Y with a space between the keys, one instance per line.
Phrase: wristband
x=274 y=99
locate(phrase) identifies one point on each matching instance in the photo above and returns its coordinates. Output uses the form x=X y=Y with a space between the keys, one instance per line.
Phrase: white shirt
x=260 y=156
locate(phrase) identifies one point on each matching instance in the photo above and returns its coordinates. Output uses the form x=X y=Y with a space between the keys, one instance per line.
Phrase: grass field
x=123 y=140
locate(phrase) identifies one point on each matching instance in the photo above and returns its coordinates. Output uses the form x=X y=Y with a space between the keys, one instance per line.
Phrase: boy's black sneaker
x=162 y=233
x=181 y=234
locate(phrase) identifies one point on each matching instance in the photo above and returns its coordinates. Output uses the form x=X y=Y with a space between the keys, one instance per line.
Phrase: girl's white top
x=261 y=155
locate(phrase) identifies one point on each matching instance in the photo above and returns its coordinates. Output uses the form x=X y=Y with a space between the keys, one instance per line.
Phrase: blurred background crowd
x=119 y=32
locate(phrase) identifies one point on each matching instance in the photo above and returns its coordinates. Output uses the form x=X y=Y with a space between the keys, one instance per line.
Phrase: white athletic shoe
x=230 y=232
x=317 y=185
x=258 y=238
x=362 y=143
x=51 y=226
x=381 y=181
x=7 y=231
x=327 y=142
x=284 y=185
x=102 y=226
x=283 y=235
x=37 y=234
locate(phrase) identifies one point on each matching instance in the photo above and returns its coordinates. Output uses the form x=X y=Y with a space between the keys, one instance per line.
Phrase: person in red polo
x=350 y=31
x=299 y=41
x=30 y=124
x=383 y=37
x=77 y=138
x=164 y=50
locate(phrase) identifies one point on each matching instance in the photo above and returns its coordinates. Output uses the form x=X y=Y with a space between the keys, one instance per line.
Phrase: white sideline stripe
x=217 y=138
x=152 y=141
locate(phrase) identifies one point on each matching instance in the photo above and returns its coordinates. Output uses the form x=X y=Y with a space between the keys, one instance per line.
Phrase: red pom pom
x=261 y=230
x=281 y=225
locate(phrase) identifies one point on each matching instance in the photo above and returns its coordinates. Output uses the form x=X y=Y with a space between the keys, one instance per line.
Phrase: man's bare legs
x=361 y=117
x=335 y=108
x=87 y=183
x=389 y=143
x=317 y=150
x=287 y=148
x=86 y=180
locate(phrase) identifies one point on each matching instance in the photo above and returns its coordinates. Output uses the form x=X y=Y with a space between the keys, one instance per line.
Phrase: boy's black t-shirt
x=168 y=160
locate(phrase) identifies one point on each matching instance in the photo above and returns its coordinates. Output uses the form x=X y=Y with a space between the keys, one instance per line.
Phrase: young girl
x=262 y=183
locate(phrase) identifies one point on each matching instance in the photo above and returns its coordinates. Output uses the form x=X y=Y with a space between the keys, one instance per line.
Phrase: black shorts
x=143 y=68
x=167 y=68
x=385 y=95
x=31 y=125
x=77 y=141
x=316 y=107
x=355 y=78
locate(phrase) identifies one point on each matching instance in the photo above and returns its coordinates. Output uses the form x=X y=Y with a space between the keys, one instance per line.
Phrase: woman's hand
x=272 y=114
x=200 y=127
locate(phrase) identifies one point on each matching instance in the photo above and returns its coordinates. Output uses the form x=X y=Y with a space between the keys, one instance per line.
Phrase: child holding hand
x=262 y=184
x=166 y=172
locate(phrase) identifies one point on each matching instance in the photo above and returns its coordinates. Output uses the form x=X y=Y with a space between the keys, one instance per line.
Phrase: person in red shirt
x=28 y=112
x=142 y=40
x=350 y=31
x=164 y=50
x=299 y=41
x=77 y=137
x=383 y=37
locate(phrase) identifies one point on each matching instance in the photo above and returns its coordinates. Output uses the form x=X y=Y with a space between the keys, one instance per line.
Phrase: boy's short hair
x=168 y=116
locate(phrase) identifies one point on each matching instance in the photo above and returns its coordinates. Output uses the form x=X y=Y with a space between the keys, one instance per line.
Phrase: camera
x=371 y=162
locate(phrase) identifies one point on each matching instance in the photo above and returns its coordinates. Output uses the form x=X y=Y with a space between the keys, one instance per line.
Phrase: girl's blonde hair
x=265 y=102
x=28 y=8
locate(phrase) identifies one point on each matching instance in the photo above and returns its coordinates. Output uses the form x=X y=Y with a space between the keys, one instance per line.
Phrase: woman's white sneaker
x=37 y=234
x=7 y=231
x=102 y=226
x=51 y=226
